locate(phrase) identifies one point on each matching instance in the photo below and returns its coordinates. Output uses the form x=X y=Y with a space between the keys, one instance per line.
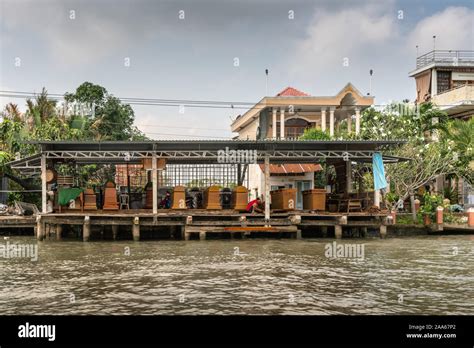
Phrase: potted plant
x=428 y=210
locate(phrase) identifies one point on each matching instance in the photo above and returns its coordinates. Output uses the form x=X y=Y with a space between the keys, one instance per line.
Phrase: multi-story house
x=446 y=78
x=286 y=116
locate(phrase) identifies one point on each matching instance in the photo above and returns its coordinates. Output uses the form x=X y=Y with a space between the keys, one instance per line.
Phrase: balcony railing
x=461 y=94
x=445 y=57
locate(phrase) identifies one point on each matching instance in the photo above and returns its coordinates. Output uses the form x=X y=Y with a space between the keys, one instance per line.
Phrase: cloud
x=343 y=33
x=453 y=27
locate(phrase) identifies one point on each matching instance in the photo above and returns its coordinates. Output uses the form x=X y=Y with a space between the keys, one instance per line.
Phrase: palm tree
x=40 y=110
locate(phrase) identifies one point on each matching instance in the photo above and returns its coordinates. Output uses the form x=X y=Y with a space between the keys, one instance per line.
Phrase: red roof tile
x=292 y=92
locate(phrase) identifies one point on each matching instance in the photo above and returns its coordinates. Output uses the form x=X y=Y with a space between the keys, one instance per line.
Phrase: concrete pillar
x=338 y=231
x=274 y=124
x=298 y=234
x=154 y=178
x=43 y=185
x=383 y=231
x=86 y=229
x=136 y=229
x=331 y=121
x=115 y=229
x=202 y=235
x=59 y=231
x=357 y=121
x=39 y=228
x=349 y=124
x=377 y=198
x=439 y=215
x=282 y=123
x=267 y=187
x=323 y=119
x=470 y=217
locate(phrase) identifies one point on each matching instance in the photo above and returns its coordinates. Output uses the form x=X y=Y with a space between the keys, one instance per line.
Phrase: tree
x=426 y=162
x=111 y=120
x=459 y=135
x=39 y=110
x=402 y=121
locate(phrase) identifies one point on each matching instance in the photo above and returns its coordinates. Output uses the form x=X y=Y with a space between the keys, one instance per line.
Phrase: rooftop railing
x=446 y=57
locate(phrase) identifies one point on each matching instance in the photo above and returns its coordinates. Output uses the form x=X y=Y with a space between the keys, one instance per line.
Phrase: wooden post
x=44 y=202
x=59 y=231
x=338 y=231
x=267 y=187
x=86 y=229
x=136 y=229
x=154 y=176
x=348 y=176
x=115 y=231
x=39 y=228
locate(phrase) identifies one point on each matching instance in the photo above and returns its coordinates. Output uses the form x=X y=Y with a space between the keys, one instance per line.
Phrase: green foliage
x=402 y=121
x=451 y=194
x=88 y=93
x=459 y=136
x=430 y=203
x=315 y=134
x=111 y=119
x=392 y=197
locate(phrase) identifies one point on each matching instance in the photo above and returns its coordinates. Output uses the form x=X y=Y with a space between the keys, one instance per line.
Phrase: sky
x=190 y=50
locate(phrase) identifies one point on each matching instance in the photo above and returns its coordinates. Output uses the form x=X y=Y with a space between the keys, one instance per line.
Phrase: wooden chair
x=354 y=205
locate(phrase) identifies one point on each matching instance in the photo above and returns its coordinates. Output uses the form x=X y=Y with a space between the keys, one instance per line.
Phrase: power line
x=188 y=135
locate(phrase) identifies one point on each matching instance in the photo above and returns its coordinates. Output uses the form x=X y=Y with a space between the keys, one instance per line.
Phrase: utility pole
x=266 y=82
x=371 y=72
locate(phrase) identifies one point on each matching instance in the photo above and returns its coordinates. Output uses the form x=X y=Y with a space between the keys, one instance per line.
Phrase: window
x=444 y=81
x=295 y=127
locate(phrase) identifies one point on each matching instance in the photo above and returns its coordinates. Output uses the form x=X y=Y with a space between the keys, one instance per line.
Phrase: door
x=301 y=186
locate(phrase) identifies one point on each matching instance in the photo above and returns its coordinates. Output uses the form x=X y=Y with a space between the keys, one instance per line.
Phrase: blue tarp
x=379 y=171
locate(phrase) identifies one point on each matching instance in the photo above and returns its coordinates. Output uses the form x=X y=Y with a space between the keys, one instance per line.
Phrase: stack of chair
x=90 y=200
x=110 y=197
x=212 y=198
x=149 y=197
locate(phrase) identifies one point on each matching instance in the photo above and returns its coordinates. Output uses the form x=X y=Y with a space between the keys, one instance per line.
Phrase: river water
x=411 y=275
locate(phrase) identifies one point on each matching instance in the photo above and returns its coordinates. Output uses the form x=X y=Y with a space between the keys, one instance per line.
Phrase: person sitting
x=166 y=202
x=255 y=206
